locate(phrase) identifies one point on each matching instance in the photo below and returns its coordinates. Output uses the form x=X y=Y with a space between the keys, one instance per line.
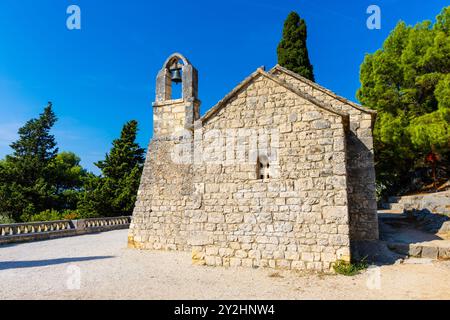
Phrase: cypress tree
x=124 y=155
x=292 y=50
x=114 y=192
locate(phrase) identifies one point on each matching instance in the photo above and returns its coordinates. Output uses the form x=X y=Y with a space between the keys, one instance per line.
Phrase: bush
x=47 y=215
x=6 y=220
x=350 y=269
x=71 y=215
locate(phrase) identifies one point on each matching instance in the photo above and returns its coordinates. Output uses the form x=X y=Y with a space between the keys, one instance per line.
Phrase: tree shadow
x=44 y=263
x=407 y=231
x=375 y=253
x=399 y=234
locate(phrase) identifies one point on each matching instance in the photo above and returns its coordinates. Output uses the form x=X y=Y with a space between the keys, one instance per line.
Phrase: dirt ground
x=101 y=267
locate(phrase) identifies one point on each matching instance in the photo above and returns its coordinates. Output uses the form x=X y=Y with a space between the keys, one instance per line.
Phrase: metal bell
x=176 y=76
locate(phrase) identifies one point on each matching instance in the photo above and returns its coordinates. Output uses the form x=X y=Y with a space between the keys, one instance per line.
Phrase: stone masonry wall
x=360 y=160
x=268 y=179
x=298 y=218
x=165 y=193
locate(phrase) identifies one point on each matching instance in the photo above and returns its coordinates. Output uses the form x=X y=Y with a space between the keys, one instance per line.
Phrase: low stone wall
x=433 y=202
x=37 y=231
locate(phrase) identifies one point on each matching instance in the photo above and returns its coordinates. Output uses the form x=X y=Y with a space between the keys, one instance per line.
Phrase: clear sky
x=103 y=75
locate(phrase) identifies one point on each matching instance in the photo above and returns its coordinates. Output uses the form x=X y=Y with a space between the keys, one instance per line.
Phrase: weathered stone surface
x=415 y=251
x=430 y=252
x=444 y=253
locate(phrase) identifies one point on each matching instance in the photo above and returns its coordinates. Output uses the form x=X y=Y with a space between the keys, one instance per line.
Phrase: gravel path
x=46 y=270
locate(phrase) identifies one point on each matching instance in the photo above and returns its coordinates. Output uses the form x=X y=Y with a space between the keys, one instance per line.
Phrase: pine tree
x=292 y=50
x=36 y=147
x=114 y=192
x=407 y=81
x=24 y=177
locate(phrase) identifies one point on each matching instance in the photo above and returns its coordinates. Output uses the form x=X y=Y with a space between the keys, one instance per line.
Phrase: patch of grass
x=275 y=275
x=350 y=269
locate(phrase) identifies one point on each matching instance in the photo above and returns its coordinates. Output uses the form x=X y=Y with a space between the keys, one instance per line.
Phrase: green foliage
x=350 y=269
x=24 y=175
x=39 y=184
x=408 y=83
x=6 y=220
x=114 y=192
x=35 y=178
x=47 y=215
x=67 y=180
x=292 y=50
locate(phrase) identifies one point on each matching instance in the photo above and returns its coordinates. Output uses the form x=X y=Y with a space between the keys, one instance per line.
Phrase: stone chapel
x=280 y=173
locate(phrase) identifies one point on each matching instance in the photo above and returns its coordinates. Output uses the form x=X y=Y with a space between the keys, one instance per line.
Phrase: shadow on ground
x=398 y=234
x=44 y=263
x=375 y=253
x=406 y=230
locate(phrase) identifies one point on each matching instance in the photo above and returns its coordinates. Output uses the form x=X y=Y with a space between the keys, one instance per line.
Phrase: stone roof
x=322 y=89
x=260 y=72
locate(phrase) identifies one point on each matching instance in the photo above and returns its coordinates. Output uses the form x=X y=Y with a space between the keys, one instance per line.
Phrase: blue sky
x=103 y=75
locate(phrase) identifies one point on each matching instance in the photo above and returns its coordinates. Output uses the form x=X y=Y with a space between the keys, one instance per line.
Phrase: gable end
x=260 y=72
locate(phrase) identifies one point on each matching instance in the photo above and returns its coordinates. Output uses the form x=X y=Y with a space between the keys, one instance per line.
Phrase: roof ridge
x=323 y=89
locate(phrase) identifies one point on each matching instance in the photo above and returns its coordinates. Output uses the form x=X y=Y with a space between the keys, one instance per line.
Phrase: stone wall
x=438 y=203
x=360 y=156
x=298 y=219
x=165 y=193
x=159 y=218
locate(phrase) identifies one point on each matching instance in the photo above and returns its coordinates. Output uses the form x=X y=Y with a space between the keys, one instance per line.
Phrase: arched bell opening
x=175 y=67
x=177 y=80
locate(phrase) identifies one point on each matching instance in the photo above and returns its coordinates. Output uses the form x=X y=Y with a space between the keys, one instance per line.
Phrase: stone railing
x=105 y=223
x=35 y=227
x=36 y=231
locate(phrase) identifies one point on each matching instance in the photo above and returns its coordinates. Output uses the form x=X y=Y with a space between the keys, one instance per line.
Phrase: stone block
x=444 y=253
x=430 y=252
x=235 y=262
x=415 y=251
x=307 y=256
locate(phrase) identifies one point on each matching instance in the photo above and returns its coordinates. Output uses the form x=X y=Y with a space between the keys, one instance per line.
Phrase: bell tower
x=173 y=116
x=167 y=179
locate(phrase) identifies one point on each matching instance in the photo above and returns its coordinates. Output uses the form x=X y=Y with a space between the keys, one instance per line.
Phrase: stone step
x=438 y=249
x=391 y=214
x=433 y=202
x=396 y=206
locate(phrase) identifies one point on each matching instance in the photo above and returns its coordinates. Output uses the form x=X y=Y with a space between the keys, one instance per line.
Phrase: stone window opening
x=263 y=168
